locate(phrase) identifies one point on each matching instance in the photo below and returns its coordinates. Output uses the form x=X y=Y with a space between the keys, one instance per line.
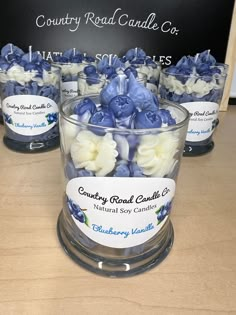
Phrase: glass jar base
x=115 y=268
x=195 y=150
x=31 y=147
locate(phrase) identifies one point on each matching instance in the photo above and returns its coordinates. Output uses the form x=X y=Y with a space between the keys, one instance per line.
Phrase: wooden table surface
x=198 y=276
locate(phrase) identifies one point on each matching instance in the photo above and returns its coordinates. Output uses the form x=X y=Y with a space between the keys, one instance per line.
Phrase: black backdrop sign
x=166 y=29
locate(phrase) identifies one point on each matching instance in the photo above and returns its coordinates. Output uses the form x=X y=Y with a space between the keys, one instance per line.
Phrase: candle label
x=202 y=121
x=69 y=89
x=120 y=212
x=29 y=115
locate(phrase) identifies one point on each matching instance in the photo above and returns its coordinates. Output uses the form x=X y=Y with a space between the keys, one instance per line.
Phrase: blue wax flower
x=14 y=88
x=147 y=119
x=122 y=106
x=166 y=117
x=133 y=141
x=138 y=61
x=206 y=57
x=109 y=65
x=11 y=53
x=85 y=109
x=70 y=55
x=78 y=58
x=89 y=58
x=135 y=53
x=128 y=169
x=132 y=70
x=122 y=170
x=4 y=65
x=135 y=170
x=88 y=70
x=104 y=118
x=45 y=65
x=185 y=63
x=48 y=91
x=117 y=86
x=141 y=96
x=34 y=57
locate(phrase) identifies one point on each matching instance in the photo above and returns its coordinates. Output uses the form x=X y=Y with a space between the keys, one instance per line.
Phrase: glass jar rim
x=54 y=69
x=125 y=130
x=197 y=76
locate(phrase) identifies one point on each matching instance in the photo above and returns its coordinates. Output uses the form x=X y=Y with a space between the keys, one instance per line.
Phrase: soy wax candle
x=197 y=83
x=30 y=93
x=72 y=62
x=121 y=152
x=137 y=60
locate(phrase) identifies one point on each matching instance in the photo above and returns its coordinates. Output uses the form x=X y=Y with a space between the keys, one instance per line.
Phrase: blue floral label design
x=163 y=211
x=8 y=119
x=77 y=212
x=52 y=117
x=111 y=212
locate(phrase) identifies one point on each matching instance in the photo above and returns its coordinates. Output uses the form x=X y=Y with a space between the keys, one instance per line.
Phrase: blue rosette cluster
x=124 y=105
x=196 y=78
x=71 y=62
x=29 y=74
x=136 y=60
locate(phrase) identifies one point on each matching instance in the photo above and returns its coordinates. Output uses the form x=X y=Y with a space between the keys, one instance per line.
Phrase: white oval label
x=29 y=115
x=202 y=121
x=69 y=89
x=120 y=212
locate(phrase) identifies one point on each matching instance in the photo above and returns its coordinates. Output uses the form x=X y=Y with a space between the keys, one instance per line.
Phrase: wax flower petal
x=156 y=154
x=94 y=153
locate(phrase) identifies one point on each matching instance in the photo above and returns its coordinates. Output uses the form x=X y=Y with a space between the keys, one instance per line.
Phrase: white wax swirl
x=68 y=132
x=72 y=68
x=193 y=85
x=85 y=89
x=18 y=74
x=156 y=154
x=94 y=153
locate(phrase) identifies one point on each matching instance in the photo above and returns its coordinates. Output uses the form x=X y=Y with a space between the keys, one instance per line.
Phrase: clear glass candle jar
x=30 y=106
x=152 y=72
x=69 y=78
x=201 y=96
x=119 y=190
x=90 y=84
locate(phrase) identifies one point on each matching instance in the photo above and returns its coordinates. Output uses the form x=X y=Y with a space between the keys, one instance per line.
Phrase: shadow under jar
x=119 y=190
x=201 y=96
x=30 y=106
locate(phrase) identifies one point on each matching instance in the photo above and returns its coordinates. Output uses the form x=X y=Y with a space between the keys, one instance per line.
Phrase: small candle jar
x=119 y=187
x=69 y=78
x=71 y=62
x=201 y=95
x=30 y=105
x=90 y=83
x=152 y=71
